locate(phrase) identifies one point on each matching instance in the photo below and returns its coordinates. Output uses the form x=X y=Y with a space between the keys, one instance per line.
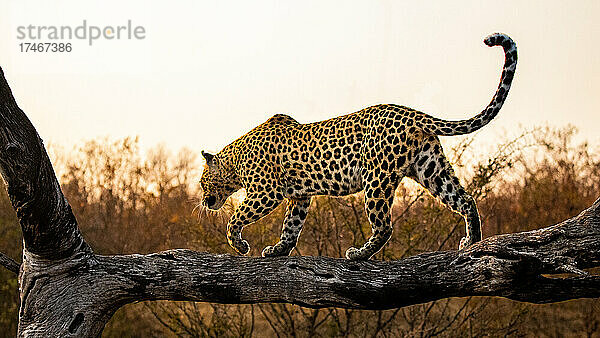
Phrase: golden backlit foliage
x=127 y=201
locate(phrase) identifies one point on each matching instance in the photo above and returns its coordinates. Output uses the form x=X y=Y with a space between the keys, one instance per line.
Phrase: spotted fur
x=370 y=150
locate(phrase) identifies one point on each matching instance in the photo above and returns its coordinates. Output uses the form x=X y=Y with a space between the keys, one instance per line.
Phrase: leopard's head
x=217 y=182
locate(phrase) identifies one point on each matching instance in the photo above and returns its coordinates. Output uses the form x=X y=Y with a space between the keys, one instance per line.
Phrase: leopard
x=370 y=150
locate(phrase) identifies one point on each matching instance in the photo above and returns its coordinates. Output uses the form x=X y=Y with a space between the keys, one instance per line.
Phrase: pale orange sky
x=208 y=71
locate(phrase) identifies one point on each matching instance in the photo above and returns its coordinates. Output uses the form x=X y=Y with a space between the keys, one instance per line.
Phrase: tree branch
x=66 y=290
x=510 y=266
x=9 y=263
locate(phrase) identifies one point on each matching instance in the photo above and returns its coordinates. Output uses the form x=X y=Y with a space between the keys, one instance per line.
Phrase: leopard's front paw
x=241 y=246
x=275 y=251
x=465 y=242
x=268 y=251
x=356 y=254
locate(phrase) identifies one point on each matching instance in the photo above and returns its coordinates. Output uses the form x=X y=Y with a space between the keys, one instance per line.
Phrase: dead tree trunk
x=67 y=290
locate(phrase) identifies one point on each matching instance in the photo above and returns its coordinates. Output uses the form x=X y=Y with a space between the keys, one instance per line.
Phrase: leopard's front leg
x=253 y=208
x=295 y=216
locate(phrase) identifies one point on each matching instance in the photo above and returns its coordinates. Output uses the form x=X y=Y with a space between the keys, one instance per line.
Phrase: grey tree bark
x=67 y=290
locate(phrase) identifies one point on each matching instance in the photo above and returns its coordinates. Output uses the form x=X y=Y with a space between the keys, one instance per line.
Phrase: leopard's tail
x=448 y=128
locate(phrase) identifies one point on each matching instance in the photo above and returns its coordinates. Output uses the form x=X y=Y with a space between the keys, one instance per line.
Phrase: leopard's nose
x=210 y=201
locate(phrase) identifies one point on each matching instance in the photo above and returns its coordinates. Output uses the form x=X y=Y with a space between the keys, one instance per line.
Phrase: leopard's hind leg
x=433 y=171
x=379 y=196
x=385 y=159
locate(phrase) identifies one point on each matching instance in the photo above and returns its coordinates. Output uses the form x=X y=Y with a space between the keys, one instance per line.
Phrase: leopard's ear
x=208 y=157
x=211 y=160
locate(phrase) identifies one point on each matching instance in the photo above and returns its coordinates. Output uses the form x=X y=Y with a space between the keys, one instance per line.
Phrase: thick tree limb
x=66 y=290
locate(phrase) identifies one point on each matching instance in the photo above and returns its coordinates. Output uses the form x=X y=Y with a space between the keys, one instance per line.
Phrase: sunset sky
x=208 y=71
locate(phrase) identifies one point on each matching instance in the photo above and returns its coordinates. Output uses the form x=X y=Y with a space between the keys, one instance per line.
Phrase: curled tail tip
x=499 y=39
